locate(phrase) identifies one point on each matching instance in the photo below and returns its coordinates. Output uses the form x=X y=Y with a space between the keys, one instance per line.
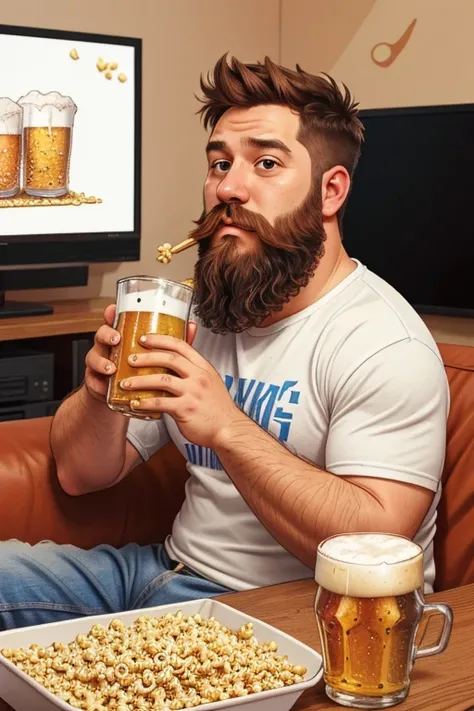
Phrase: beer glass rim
x=371 y=533
x=141 y=277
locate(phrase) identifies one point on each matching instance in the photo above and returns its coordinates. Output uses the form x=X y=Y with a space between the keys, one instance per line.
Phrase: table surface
x=441 y=683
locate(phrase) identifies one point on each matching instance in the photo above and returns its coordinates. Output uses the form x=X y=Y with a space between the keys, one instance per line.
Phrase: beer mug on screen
x=144 y=305
x=368 y=607
x=48 y=121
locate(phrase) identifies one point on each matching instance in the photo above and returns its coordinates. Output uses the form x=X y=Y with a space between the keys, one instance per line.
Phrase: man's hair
x=329 y=126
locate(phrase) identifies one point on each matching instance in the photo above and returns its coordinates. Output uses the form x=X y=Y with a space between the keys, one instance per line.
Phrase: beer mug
x=144 y=305
x=368 y=606
x=10 y=147
x=47 y=140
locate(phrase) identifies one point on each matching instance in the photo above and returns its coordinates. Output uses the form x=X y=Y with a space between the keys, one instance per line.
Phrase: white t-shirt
x=354 y=383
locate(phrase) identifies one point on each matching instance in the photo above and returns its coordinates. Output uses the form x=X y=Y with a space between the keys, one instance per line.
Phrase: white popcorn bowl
x=24 y=694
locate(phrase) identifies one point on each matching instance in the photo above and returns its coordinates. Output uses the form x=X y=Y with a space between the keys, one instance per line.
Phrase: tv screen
x=70 y=144
x=409 y=217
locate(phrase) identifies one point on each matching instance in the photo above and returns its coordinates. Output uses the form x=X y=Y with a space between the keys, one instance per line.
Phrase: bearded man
x=312 y=401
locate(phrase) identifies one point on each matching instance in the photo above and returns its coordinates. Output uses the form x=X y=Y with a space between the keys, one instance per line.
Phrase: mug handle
x=443 y=640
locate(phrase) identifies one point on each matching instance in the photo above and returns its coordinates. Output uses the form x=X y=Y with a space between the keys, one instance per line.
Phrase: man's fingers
x=162 y=359
x=164 y=381
x=98 y=363
x=107 y=336
x=191 y=333
x=172 y=344
x=109 y=314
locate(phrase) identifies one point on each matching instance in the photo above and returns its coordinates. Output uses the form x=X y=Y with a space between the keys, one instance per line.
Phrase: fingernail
x=125 y=383
x=142 y=339
x=133 y=358
x=114 y=339
x=135 y=404
x=108 y=368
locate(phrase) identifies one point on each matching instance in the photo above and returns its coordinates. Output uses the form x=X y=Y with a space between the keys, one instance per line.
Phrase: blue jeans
x=51 y=583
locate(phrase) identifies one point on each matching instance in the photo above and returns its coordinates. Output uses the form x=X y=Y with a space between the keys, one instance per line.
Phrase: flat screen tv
x=410 y=215
x=70 y=147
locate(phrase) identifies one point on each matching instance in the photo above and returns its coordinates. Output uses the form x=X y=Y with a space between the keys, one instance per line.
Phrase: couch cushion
x=454 y=543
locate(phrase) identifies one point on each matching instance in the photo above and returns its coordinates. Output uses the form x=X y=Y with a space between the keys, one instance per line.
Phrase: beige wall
x=435 y=65
x=181 y=39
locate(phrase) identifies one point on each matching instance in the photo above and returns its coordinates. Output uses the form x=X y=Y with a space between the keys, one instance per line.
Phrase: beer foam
x=51 y=109
x=154 y=300
x=10 y=116
x=369 y=565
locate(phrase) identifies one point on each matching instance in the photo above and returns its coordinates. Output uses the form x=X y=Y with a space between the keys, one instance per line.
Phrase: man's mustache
x=210 y=222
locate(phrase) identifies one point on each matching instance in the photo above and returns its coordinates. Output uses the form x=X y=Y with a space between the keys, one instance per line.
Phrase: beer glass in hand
x=144 y=305
x=368 y=608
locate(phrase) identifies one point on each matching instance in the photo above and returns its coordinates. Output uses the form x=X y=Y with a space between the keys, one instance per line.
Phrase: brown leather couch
x=141 y=508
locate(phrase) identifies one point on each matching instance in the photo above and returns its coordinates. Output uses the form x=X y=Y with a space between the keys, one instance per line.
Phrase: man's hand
x=200 y=404
x=99 y=367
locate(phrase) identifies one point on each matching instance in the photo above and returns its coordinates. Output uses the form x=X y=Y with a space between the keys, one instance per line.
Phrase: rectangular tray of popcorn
x=23 y=693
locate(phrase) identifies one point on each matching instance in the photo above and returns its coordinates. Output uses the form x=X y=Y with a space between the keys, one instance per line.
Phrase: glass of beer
x=10 y=147
x=368 y=606
x=144 y=305
x=47 y=140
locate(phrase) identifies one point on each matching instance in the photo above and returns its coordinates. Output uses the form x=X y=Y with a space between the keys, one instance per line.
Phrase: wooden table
x=441 y=683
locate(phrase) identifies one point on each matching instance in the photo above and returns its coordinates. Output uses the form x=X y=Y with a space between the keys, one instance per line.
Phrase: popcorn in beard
x=236 y=290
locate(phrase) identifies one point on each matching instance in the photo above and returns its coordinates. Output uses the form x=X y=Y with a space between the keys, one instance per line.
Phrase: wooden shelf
x=75 y=316
x=86 y=315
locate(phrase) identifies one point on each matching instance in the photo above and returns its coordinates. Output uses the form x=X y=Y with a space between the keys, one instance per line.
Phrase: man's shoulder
x=369 y=318
x=371 y=328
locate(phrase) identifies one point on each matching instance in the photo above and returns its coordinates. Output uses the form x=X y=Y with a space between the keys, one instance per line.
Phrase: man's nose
x=232 y=188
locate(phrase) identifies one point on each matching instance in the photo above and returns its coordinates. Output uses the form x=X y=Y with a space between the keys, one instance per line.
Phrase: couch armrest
x=33 y=506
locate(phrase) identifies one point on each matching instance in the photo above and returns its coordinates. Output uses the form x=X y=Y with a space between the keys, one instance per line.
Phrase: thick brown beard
x=235 y=291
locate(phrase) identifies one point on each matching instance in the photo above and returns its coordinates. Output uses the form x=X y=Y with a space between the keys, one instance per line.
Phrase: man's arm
x=300 y=504
x=89 y=445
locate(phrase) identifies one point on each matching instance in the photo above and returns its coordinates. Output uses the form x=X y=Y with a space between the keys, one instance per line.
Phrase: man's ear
x=334 y=190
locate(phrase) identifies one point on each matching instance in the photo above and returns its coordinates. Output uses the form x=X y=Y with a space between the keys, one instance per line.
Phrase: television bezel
x=88 y=247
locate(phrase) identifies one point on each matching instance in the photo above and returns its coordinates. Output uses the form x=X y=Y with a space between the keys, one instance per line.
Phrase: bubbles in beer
x=10 y=147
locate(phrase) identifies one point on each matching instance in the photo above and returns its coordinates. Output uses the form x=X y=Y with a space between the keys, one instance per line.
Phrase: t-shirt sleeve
x=388 y=418
x=147 y=436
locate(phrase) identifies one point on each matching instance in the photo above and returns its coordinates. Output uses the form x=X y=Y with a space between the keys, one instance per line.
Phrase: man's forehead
x=265 y=121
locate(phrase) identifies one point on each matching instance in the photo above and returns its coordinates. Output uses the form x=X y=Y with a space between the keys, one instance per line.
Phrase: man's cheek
x=210 y=198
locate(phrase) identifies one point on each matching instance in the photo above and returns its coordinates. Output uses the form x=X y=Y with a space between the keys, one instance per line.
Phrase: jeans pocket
x=160 y=581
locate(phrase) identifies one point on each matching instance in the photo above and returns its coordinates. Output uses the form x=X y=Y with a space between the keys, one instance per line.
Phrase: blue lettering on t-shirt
x=265 y=403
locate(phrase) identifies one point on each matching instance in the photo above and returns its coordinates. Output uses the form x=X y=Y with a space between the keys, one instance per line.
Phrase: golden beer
x=368 y=641
x=368 y=608
x=131 y=325
x=46 y=166
x=144 y=306
x=10 y=147
x=10 y=161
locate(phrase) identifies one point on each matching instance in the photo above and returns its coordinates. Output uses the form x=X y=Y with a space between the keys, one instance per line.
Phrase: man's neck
x=333 y=268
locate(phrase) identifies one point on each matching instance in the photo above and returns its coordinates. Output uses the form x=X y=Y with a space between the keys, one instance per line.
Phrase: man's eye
x=221 y=166
x=268 y=164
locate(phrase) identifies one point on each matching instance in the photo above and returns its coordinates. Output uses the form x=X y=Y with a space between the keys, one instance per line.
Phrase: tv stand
x=36 y=278
x=14 y=309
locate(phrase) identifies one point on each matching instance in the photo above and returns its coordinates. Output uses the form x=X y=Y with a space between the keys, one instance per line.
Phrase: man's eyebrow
x=267 y=143
x=216 y=146
x=264 y=143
